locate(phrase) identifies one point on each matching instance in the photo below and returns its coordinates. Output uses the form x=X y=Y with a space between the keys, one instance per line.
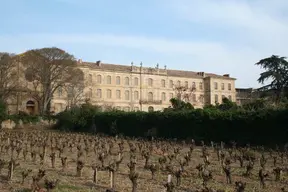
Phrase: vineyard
x=55 y=161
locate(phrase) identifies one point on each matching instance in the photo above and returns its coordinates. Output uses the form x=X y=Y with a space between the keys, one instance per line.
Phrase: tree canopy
x=48 y=69
x=276 y=70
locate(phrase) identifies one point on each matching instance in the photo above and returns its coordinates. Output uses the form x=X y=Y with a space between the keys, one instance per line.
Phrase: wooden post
x=11 y=168
x=44 y=153
x=169 y=178
x=221 y=165
x=111 y=180
x=96 y=175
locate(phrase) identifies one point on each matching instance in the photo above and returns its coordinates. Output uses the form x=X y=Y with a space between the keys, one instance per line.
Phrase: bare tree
x=48 y=69
x=75 y=89
x=8 y=76
x=184 y=93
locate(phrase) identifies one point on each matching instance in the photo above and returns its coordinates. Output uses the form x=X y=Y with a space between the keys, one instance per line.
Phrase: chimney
x=98 y=63
x=226 y=75
x=201 y=74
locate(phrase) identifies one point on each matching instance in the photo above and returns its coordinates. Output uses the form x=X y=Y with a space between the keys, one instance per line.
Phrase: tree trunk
x=134 y=187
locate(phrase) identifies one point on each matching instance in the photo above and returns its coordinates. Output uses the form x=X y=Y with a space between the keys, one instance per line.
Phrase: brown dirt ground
x=70 y=183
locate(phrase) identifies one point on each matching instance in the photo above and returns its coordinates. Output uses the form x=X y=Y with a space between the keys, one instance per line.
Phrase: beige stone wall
x=220 y=88
x=154 y=89
x=125 y=90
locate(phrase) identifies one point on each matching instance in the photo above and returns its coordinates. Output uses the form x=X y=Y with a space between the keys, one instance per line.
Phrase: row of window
x=151 y=82
x=126 y=94
x=109 y=80
x=222 y=86
x=135 y=95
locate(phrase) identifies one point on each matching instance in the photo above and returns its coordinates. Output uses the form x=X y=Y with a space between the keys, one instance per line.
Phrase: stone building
x=133 y=88
x=244 y=95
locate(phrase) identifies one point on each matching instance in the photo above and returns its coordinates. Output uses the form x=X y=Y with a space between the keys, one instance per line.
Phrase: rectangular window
x=222 y=86
x=109 y=94
x=117 y=80
x=201 y=98
x=229 y=86
x=170 y=84
x=126 y=80
x=186 y=84
x=171 y=96
x=162 y=83
x=193 y=85
x=136 y=81
x=118 y=94
x=136 y=95
x=127 y=96
x=99 y=79
x=194 y=98
x=109 y=79
x=150 y=82
x=99 y=93
x=215 y=85
x=216 y=99
x=163 y=97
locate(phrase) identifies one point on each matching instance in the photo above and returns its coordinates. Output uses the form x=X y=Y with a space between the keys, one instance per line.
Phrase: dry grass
x=70 y=183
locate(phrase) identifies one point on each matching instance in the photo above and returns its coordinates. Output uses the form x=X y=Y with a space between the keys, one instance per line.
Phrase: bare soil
x=69 y=182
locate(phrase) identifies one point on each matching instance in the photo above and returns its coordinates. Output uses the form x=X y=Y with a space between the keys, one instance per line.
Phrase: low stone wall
x=10 y=124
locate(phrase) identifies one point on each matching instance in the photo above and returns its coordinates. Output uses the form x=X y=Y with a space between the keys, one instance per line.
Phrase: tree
x=48 y=69
x=178 y=105
x=184 y=93
x=256 y=104
x=75 y=89
x=227 y=105
x=276 y=70
x=8 y=76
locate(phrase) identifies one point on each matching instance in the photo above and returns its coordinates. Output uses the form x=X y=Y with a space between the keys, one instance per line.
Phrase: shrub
x=258 y=127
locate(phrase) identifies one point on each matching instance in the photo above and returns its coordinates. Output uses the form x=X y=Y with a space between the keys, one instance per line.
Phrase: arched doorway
x=150 y=109
x=30 y=107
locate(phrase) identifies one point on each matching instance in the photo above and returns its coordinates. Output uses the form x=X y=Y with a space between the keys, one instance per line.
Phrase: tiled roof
x=110 y=67
x=170 y=72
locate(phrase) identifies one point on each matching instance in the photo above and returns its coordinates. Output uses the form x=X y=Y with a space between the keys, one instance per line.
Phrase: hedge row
x=263 y=127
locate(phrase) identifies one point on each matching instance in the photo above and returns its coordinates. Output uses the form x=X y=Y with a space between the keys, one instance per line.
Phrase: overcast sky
x=217 y=36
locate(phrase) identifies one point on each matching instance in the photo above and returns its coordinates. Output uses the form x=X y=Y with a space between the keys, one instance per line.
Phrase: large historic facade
x=132 y=88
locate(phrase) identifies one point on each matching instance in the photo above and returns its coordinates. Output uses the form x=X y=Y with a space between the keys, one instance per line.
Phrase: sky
x=216 y=36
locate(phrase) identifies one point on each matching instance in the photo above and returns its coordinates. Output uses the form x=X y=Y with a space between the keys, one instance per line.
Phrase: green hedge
x=255 y=127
